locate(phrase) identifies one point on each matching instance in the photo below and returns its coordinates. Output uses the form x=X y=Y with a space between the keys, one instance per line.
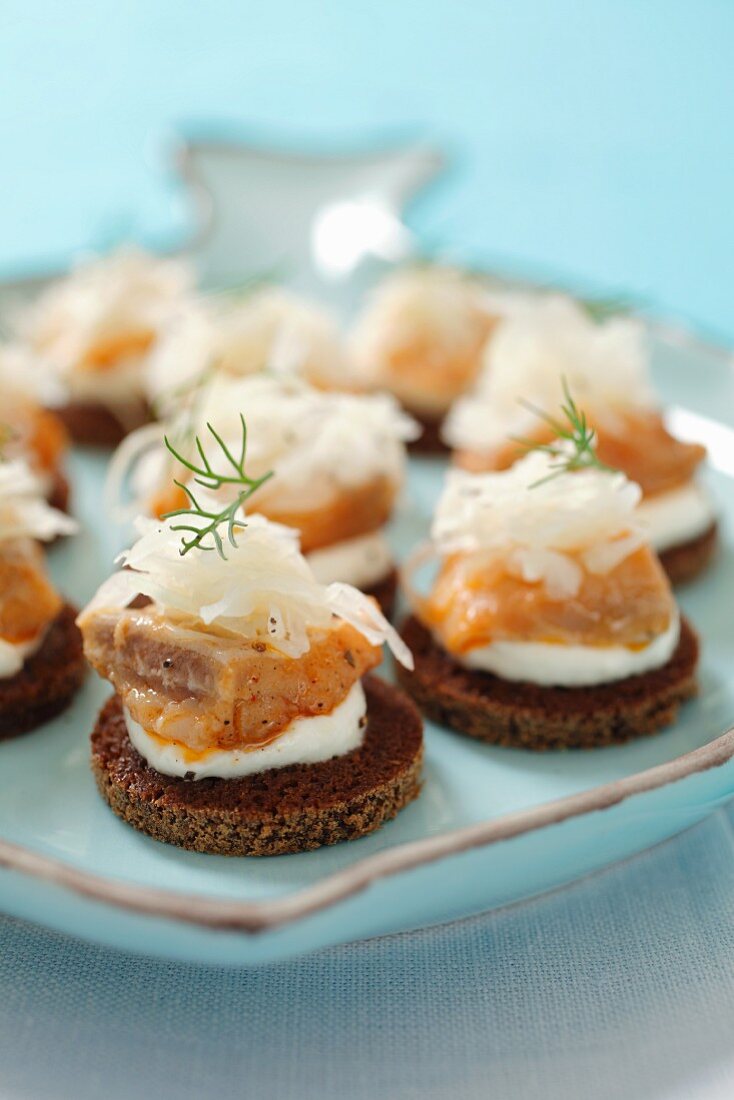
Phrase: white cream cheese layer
x=676 y=517
x=13 y=657
x=572 y=665
x=362 y=561
x=304 y=741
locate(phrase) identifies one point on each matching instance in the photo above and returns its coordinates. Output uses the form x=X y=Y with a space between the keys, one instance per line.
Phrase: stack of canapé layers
x=258 y=451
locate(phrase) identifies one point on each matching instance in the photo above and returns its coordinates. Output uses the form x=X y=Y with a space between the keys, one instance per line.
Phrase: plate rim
x=256 y=917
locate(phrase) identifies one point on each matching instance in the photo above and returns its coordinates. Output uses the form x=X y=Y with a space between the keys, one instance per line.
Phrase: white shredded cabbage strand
x=432 y=302
x=540 y=528
x=24 y=512
x=263 y=590
x=268 y=329
x=26 y=378
x=128 y=290
x=542 y=340
x=317 y=443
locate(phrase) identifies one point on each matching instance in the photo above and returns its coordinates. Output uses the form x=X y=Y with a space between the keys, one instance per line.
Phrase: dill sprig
x=581 y=455
x=602 y=309
x=209 y=478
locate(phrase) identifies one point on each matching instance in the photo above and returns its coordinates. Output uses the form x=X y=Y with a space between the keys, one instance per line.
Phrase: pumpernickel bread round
x=688 y=560
x=385 y=592
x=291 y=809
x=46 y=684
x=92 y=424
x=429 y=442
x=530 y=716
x=60 y=492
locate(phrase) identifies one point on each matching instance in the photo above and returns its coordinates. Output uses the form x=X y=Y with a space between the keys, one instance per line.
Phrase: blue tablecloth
x=593 y=139
x=620 y=986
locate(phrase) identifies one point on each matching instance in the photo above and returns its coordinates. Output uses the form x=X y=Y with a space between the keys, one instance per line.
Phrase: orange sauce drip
x=188 y=755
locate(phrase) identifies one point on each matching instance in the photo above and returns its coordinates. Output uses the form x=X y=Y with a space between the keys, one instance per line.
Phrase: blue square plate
x=492 y=825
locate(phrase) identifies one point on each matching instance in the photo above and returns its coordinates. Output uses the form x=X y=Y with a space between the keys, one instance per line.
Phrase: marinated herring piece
x=41 y=662
x=536 y=555
x=421 y=337
x=545 y=581
x=236 y=335
x=94 y=331
x=548 y=344
x=226 y=652
x=28 y=430
x=214 y=689
x=340 y=508
x=239 y=684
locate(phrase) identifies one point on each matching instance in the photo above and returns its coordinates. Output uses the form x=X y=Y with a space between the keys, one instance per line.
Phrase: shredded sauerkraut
x=100 y=299
x=24 y=513
x=316 y=442
x=430 y=302
x=542 y=528
x=26 y=379
x=541 y=341
x=268 y=329
x=264 y=589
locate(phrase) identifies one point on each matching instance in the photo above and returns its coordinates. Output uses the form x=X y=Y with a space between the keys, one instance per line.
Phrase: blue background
x=592 y=138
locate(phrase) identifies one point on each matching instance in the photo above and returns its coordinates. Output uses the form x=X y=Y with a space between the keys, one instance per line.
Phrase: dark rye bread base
x=529 y=716
x=385 y=592
x=429 y=442
x=689 y=560
x=91 y=424
x=291 y=809
x=46 y=684
x=60 y=492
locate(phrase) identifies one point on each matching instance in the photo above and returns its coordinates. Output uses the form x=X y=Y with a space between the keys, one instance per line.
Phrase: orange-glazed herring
x=211 y=690
x=45 y=438
x=477 y=600
x=349 y=513
x=425 y=368
x=28 y=601
x=634 y=441
x=106 y=354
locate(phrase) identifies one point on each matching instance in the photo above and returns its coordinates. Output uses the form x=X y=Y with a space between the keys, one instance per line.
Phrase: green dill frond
x=212 y=479
x=572 y=429
x=602 y=309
